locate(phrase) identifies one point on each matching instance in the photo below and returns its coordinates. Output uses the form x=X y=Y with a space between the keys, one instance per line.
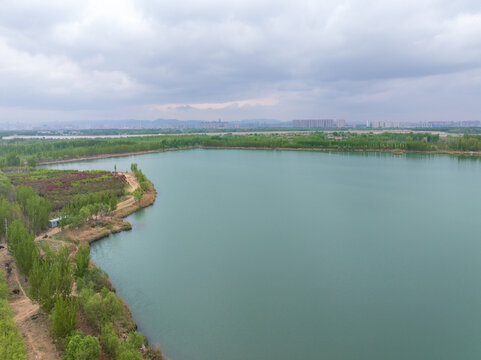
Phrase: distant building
x=453 y=124
x=382 y=124
x=315 y=123
x=340 y=123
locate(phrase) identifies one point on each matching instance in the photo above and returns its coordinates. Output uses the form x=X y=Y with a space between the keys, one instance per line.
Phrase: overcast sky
x=411 y=60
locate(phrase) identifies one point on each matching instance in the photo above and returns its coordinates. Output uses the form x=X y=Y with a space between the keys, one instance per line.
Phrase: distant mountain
x=142 y=124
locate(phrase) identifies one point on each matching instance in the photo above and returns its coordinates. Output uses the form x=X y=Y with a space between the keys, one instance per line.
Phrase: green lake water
x=281 y=255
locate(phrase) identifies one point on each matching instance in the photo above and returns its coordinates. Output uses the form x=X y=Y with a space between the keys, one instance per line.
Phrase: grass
x=12 y=345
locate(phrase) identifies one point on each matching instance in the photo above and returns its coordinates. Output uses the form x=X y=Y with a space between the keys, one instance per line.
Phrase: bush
x=144 y=185
x=153 y=354
x=110 y=340
x=64 y=317
x=102 y=308
x=95 y=279
x=80 y=347
x=129 y=350
x=138 y=193
x=127 y=353
x=136 y=340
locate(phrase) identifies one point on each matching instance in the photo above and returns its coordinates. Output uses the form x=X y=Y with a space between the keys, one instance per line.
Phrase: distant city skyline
x=59 y=126
x=410 y=61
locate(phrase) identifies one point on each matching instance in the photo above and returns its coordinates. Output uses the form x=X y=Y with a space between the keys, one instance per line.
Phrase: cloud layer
x=394 y=60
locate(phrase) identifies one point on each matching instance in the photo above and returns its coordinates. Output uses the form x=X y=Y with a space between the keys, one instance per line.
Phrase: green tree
x=82 y=260
x=113 y=203
x=51 y=278
x=23 y=194
x=22 y=245
x=84 y=213
x=63 y=318
x=9 y=212
x=13 y=159
x=31 y=161
x=38 y=211
x=5 y=185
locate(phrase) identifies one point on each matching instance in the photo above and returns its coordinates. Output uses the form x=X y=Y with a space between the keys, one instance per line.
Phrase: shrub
x=144 y=185
x=127 y=353
x=103 y=308
x=95 y=279
x=136 y=340
x=110 y=340
x=80 y=347
x=153 y=354
x=138 y=193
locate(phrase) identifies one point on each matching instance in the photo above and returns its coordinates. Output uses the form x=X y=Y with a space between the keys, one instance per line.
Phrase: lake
x=281 y=255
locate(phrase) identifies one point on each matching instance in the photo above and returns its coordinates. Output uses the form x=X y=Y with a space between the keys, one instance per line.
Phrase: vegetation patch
x=61 y=187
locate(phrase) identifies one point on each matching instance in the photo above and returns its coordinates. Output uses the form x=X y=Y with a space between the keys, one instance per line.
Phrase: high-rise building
x=314 y=123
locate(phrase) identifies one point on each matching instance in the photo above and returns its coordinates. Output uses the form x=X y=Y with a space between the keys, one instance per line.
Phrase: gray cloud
x=410 y=60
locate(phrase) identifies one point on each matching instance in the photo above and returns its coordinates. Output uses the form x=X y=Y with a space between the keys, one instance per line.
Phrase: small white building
x=53 y=223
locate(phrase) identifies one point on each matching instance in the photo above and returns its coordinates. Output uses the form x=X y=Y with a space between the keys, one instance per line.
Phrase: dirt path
x=15 y=275
x=133 y=185
x=49 y=233
x=132 y=180
x=33 y=325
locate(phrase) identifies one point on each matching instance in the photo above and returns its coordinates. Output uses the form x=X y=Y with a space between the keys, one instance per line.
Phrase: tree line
x=83 y=207
x=27 y=151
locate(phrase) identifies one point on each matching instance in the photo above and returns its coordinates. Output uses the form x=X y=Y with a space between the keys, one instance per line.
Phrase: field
x=61 y=186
